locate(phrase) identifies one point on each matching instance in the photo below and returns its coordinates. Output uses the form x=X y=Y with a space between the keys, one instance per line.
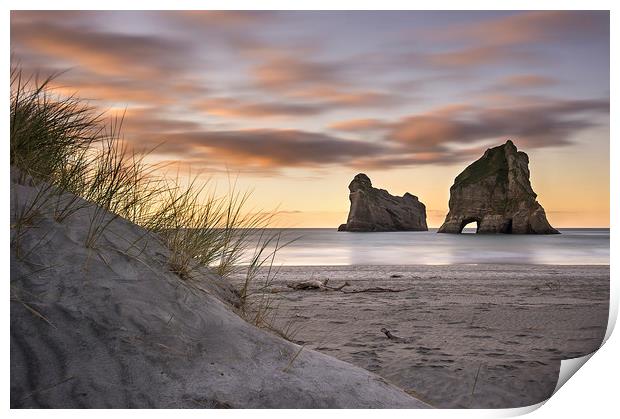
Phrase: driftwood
x=388 y=333
x=390 y=336
x=312 y=284
x=377 y=289
x=346 y=284
x=315 y=284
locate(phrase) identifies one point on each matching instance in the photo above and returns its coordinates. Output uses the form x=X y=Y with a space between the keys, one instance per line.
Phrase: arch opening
x=470 y=226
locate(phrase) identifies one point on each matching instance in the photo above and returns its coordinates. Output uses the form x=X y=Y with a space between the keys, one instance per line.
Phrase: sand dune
x=112 y=327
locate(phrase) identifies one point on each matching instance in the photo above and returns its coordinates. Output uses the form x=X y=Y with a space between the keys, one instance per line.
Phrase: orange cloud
x=227 y=18
x=111 y=90
x=336 y=96
x=289 y=78
x=525 y=28
x=120 y=92
x=286 y=71
x=274 y=148
x=445 y=135
x=525 y=81
x=229 y=107
x=325 y=82
x=149 y=122
x=470 y=57
x=103 y=53
x=354 y=125
x=539 y=123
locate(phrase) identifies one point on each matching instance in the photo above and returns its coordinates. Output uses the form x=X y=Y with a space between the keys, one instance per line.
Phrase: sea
x=327 y=246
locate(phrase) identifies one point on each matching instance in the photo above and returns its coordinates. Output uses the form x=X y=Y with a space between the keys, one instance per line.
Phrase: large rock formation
x=495 y=192
x=375 y=209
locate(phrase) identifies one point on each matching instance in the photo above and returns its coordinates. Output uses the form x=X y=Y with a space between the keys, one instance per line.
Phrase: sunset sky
x=297 y=103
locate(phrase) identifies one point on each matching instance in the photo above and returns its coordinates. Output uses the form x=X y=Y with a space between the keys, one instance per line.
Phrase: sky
x=295 y=104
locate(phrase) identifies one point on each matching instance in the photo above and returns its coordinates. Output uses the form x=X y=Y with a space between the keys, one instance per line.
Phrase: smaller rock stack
x=375 y=209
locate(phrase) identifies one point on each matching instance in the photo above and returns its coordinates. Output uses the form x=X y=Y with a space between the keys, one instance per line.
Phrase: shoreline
x=572 y=265
x=320 y=247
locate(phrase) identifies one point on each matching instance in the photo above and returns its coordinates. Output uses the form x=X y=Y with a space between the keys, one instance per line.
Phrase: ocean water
x=330 y=247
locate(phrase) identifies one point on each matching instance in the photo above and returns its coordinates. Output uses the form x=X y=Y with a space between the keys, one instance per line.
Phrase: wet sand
x=468 y=336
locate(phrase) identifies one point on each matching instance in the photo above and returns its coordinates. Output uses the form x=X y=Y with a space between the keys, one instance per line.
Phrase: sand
x=507 y=325
x=112 y=327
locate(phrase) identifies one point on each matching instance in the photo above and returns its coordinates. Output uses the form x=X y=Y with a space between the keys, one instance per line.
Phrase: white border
x=592 y=393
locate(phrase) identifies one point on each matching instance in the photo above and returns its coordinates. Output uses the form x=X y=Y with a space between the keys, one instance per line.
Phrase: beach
x=464 y=336
x=232 y=209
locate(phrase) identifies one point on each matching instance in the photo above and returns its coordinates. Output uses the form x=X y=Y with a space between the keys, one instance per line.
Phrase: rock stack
x=495 y=192
x=375 y=209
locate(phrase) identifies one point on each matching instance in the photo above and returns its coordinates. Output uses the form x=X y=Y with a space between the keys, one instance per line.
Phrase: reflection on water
x=330 y=247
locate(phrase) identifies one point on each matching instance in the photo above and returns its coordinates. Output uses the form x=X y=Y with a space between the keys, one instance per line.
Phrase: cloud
x=530 y=27
x=229 y=107
x=472 y=57
x=268 y=148
x=523 y=81
x=445 y=135
x=290 y=72
x=404 y=158
x=227 y=18
x=301 y=104
x=536 y=124
x=178 y=71
x=103 y=53
x=169 y=68
x=104 y=91
x=461 y=132
x=335 y=96
x=324 y=82
x=150 y=122
x=115 y=90
x=37 y=16
x=514 y=38
x=359 y=125
x=117 y=68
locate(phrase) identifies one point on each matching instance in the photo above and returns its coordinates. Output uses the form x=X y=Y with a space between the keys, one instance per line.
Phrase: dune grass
x=78 y=157
x=47 y=131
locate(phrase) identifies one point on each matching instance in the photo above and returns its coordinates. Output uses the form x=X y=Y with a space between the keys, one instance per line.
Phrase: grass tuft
x=76 y=157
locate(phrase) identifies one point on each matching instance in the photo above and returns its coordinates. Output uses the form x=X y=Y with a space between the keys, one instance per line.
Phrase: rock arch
x=469 y=221
x=495 y=191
